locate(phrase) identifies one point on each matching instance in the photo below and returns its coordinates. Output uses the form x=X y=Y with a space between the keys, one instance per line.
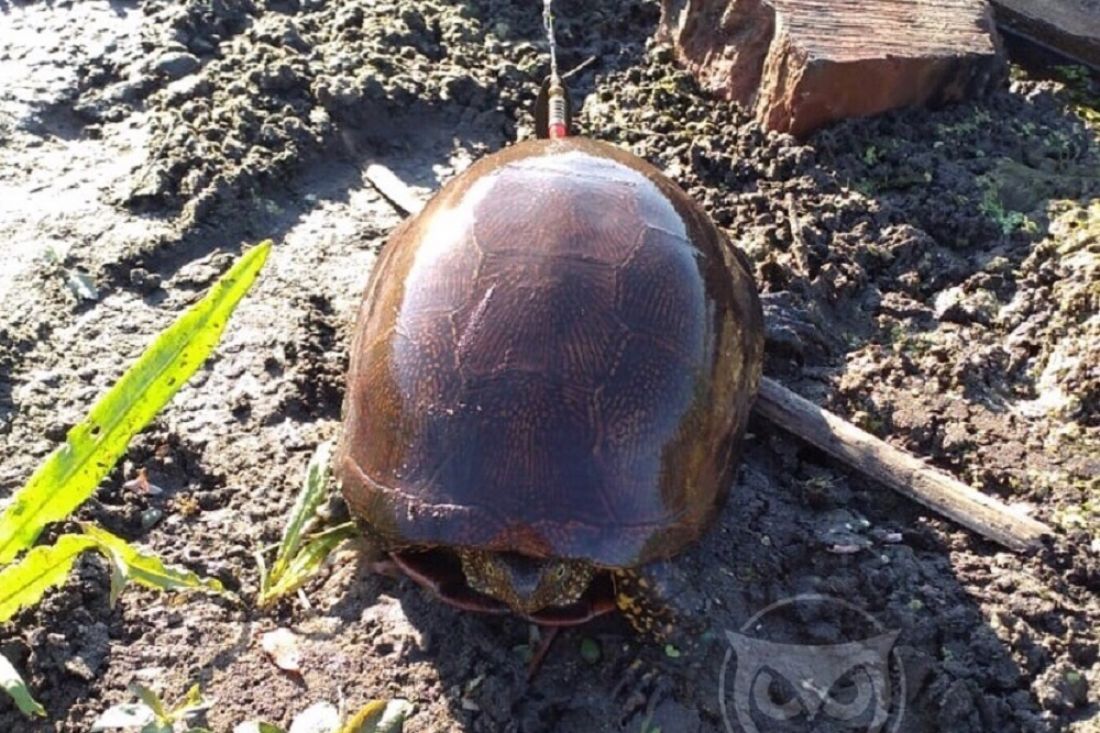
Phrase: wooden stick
x=393 y=189
x=868 y=455
x=898 y=469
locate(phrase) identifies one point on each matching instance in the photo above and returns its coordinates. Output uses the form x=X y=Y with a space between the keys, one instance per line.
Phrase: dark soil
x=931 y=275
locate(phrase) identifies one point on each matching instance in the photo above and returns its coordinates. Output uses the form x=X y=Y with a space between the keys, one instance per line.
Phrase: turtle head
x=525 y=583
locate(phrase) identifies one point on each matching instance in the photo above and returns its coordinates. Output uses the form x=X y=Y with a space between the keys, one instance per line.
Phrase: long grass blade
x=305 y=506
x=145 y=568
x=192 y=703
x=307 y=561
x=150 y=699
x=23 y=583
x=71 y=473
x=13 y=684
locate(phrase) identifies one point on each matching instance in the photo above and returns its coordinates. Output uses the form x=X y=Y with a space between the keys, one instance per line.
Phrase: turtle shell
x=556 y=357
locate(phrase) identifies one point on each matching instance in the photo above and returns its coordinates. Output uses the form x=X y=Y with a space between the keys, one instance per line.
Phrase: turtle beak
x=525 y=576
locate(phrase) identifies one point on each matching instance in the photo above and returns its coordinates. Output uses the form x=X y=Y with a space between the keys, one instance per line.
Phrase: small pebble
x=150 y=517
x=176 y=64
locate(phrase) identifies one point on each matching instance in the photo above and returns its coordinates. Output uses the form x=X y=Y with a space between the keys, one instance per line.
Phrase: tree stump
x=1071 y=27
x=799 y=64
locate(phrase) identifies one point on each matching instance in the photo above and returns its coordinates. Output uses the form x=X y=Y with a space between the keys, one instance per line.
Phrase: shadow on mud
x=941 y=293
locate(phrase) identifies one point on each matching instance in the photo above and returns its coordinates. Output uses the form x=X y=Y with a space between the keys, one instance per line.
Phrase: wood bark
x=800 y=64
x=1071 y=27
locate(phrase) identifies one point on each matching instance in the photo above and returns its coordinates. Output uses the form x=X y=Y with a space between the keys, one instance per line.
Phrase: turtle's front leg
x=659 y=601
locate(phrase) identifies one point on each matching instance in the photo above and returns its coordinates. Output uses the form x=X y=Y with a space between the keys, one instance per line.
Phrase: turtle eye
x=559 y=572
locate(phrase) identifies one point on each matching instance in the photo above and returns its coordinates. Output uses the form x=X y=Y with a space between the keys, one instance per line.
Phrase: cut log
x=898 y=469
x=1071 y=27
x=800 y=64
x=866 y=454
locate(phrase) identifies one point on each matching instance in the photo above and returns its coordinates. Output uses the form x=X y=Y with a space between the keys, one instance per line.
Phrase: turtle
x=549 y=380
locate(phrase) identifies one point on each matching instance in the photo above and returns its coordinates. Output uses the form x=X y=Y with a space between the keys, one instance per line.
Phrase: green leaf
x=590 y=650
x=145 y=568
x=150 y=714
x=129 y=715
x=119 y=577
x=23 y=583
x=379 y=716
x=14 y=685
x=150 y=699
x=305 y=506
x=71 y=473
x=256 y=726
x=308 y=560
x=192 y=703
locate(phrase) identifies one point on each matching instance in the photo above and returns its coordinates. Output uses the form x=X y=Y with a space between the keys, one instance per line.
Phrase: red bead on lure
x=556 y=100
x=557 y=110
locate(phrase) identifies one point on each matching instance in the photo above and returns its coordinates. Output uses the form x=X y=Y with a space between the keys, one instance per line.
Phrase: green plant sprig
x=69 y=475
x=300 y=556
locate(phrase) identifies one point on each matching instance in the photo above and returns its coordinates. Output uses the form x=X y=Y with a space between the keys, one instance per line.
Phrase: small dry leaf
x=131 y=715
x=322 y=717
x=142 y=484
x=82 y=285
x=139 y=482
x=282 y=646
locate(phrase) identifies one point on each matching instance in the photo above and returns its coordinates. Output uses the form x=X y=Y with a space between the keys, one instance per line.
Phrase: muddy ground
x=930 y=275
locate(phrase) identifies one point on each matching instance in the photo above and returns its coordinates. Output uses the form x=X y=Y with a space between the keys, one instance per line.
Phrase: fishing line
x=557 y=103
x=548 y=23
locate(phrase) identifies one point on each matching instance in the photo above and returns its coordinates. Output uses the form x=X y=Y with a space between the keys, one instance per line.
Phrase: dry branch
x=898 y=469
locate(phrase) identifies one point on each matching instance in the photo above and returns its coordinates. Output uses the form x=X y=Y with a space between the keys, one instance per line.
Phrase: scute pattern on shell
x=556 y=357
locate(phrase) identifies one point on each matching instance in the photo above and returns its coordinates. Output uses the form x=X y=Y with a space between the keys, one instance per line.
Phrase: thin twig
x=393 y=189
x=579 y=67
